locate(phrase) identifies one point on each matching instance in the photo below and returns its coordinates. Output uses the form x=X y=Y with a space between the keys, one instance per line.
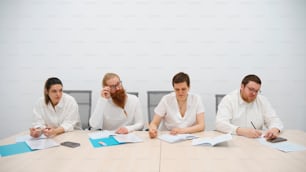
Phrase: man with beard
x=115 y=109
x=244 y=112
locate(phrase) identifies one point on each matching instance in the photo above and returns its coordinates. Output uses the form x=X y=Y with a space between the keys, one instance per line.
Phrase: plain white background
x=146 y=42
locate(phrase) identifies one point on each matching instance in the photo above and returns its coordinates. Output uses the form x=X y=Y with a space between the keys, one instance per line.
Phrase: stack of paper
x=176 y=138
x=212 y=141
x=127 y=138
x=101 y=134
x=41 y=144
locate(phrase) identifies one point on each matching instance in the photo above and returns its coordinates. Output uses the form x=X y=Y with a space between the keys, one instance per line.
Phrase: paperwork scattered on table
x=101 y=134
x=212 y=141
x=283 y=146
x=41 y=144
x=127 y=138
x=28 y=137
x=176 y=138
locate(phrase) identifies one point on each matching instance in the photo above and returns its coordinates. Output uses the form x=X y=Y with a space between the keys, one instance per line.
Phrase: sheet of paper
x=101 y=134
x=176 y=138
x=212 y=141
x=128 y=138
x=41 y=144
x=283 y=146
x=28 y=137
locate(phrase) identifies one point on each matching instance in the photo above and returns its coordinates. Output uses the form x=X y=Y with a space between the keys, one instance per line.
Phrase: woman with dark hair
x=181 y=112
x=56 y=112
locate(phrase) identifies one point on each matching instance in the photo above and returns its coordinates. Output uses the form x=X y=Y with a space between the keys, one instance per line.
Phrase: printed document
x=101 y=134
x=127 y=138
x=212 y=141
x=283 y=146
x=41 y=144
x=176 y=138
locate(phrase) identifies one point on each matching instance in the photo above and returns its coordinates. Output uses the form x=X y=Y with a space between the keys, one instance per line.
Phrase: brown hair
x=249 y=78
x=50 y=81
x=181 y=77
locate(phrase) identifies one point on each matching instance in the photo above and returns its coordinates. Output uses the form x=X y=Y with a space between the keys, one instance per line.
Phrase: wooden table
x=152 y=155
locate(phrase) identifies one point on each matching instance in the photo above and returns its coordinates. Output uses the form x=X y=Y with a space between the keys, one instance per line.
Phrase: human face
x=55 y=93
x=114 y=84
x=249 y=91
x=181 y=91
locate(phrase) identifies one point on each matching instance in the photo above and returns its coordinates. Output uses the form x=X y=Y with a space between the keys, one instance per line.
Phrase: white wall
x=147 y=42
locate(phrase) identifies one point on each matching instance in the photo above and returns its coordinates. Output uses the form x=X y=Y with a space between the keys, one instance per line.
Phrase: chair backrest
x=219 y=97
x=153 y=99
x=134 y=93
x=83 y=98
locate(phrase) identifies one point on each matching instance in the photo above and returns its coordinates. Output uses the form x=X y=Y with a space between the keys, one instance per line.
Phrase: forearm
x=194 y=128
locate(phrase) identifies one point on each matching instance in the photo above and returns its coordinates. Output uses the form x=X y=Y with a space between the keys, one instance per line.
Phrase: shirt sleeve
x=271 y=120
x=72 y=119
x=96 y=119
x=161 y=108
x=38 y=121
x=224 y=115
x=138 y=118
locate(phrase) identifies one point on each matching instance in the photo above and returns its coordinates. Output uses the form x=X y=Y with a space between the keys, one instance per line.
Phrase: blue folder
x=109 y=141
x=12 y=149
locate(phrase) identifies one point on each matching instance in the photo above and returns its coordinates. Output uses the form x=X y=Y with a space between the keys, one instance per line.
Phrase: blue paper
x=109 y=141
x=12 y=149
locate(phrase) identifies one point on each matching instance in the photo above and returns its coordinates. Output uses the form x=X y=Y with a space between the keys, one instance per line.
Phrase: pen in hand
x=253 y=125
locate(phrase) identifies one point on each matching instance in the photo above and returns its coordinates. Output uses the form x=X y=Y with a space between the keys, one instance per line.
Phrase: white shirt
x=168 y=109
x=65 y=114
x=234 y=112
x=108 y=116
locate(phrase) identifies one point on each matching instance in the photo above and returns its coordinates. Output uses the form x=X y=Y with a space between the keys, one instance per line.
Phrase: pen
x=102 y=143
x=253 y=125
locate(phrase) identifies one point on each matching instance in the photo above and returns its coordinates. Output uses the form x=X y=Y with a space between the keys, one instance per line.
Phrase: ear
x=242 y=86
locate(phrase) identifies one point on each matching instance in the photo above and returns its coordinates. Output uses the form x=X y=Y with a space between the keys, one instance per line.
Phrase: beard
x=119 y=97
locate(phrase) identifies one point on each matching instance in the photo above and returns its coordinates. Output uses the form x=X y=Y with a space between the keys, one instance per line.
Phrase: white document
x=28 y=137
x=176 y=138
x=212 y=141
x=101 y=134
x=41 y=144
x=127 y=138
x=283 y=146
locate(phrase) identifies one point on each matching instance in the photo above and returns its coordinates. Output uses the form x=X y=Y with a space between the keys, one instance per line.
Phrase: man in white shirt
x=115 y=109
x=244 y=112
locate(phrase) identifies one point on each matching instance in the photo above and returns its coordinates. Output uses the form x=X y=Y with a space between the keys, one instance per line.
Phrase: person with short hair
x=245 y=112
x=180 y=111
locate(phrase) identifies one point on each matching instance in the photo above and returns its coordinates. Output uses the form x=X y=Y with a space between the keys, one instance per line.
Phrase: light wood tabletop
x=154 y=155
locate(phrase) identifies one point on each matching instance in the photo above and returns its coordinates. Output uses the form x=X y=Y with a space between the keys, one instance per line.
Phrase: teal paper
x=109 y=141
x=12 y=149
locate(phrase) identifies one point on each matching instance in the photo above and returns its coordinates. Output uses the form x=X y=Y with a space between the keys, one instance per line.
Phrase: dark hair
x=50 y=81
x=249 y=78
x=181 y=77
